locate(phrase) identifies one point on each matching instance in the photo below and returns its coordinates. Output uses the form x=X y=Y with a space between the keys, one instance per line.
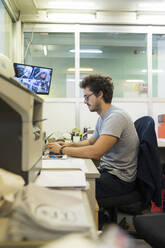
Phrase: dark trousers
x=109 y=185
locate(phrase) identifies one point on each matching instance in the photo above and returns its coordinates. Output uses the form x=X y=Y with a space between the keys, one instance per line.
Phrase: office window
x=121 y=56
x=6 y=27
x=52 y=50
x=158 y=65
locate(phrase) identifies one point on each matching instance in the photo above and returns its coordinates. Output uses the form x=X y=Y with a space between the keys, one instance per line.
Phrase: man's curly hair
x=97 y=83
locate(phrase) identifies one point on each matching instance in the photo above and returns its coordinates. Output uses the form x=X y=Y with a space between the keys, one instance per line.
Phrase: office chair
x=149 y=175
x=151 y=228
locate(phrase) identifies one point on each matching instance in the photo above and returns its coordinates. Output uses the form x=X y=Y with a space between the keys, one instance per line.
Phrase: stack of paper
x=62 y=179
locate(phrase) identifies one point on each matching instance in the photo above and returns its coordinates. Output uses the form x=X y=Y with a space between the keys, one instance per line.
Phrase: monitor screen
x=36 y=79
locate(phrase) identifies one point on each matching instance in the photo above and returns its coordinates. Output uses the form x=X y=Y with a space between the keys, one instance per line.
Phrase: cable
x=28 y=46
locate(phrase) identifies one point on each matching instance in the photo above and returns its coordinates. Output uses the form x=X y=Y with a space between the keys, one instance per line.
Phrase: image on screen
x=36 y=79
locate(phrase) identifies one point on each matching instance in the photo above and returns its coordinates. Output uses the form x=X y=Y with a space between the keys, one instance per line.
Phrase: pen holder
x=76 y=138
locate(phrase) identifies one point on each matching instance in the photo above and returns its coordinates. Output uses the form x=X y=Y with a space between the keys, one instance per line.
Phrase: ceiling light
x=157 y=71
x=71 y=5
x=82 y=69
x=45 y=50
x=134 y=81
x=87 y=51
x=154 y=71
x=70 y=80
x=144 y=70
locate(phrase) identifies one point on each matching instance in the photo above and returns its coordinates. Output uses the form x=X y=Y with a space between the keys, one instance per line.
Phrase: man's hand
x=54 y=147
x=61 y=143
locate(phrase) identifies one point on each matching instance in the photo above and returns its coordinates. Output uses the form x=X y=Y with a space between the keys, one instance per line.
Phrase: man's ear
x=100 y=94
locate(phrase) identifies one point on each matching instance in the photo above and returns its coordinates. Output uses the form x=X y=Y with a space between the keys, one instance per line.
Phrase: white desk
x=91 y=173
x=161 y=143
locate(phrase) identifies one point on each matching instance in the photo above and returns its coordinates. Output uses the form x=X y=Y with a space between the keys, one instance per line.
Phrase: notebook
x=66 y=179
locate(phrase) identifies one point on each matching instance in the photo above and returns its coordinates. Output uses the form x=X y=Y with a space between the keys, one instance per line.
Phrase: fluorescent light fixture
x=144 y=70
x=87 y=51
x=70 y=80
x=45 y=50
x=69 y=17
x=153 y=71
x=134 y=81
x=157 y=71
x=82 y=69
x=71 y=5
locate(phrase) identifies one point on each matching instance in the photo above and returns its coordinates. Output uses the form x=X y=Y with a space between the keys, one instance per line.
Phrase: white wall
x=87 y=118
x=61 y=116
x=135 y=110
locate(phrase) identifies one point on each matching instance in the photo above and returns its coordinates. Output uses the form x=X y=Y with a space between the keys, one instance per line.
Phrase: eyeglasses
x=86 y=97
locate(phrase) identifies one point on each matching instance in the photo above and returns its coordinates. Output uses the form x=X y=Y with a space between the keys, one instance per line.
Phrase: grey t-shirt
x=121 y=159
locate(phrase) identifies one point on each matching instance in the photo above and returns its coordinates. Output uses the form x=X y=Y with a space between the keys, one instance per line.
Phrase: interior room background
x=132 y=55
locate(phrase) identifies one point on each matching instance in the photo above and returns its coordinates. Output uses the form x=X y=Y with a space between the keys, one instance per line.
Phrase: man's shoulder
x=115 y=111
x=118 y=115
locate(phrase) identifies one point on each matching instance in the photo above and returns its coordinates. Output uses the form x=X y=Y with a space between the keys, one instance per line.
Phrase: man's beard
x=94 y=108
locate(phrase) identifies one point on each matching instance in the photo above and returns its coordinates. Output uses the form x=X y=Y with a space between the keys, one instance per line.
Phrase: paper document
x=62 y=179
x=68 y=163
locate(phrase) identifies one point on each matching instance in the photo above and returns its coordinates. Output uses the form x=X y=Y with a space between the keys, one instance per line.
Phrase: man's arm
x=87 y=142
x=95 y=150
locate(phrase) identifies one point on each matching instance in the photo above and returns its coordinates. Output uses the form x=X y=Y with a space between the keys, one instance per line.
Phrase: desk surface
x=161 y=143
x=91 y=174
x=91 y=170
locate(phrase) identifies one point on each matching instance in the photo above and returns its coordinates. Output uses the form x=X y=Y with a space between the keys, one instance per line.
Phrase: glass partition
x=122 y=56
x=75 y=51
x=52 y=50
x=158 y=65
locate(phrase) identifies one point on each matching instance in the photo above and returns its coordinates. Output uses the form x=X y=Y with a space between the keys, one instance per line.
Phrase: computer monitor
x=36 y=78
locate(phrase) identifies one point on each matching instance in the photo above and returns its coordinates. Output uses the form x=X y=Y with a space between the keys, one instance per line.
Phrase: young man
x=114 y=141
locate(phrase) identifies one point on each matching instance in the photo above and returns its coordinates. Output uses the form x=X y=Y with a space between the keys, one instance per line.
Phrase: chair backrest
x=149 y=172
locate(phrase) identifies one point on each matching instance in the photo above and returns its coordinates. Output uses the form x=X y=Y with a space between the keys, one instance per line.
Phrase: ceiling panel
x=107 y=5
x=97 y=11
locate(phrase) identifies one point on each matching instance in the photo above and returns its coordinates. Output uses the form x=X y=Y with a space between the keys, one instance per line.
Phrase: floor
x=130 y=231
